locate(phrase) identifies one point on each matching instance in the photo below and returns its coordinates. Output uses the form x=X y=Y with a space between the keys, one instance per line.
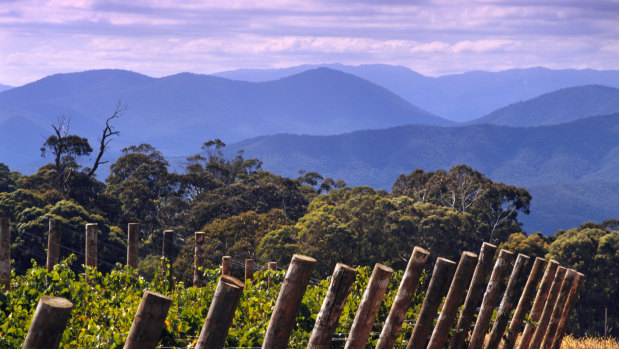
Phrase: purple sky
x=163 y=37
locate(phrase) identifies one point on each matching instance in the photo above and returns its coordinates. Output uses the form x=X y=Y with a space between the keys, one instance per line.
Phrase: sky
x=165 y=37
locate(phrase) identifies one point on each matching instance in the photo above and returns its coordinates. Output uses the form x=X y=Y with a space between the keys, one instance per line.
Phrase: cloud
x=161 y=37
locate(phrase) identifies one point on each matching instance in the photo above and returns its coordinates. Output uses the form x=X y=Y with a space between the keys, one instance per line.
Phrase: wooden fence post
x=515 y=284
x=91 y=246
x=148 y=321
x=538 y=336
x=220 y=313
x=272 y=266
x=538 y=304
x=368 y=308
x=443 y=271
x=288 y=302
x=198 y=259
x=524 y=303
x=454 y=298
x=557 y=310
x=226 y=264
x=473 y=295
x=490 y=297
x=332 y=306
x=167 y=245
x=250 y=268
x=569 y=303
x=402 y=301
x=53 y=243
x=48 y=323
x=133 y=235
x=5 y=252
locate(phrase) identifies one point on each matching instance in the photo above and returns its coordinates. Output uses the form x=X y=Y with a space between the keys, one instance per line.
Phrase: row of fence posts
x=547 y=292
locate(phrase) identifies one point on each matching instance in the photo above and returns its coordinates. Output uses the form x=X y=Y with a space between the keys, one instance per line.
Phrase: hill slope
x=556 y=107
x=5 y=87
x=585 y=152
x=180 y=112
x=458 y=97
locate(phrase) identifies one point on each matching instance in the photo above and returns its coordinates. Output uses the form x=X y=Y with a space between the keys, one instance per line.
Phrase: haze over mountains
x=459 y=97
x=365 y=127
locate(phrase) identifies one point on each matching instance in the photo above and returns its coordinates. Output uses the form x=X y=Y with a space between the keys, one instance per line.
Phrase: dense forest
x=247 y=212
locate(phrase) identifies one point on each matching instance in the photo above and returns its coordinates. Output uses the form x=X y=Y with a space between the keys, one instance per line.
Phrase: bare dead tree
x=108 y=132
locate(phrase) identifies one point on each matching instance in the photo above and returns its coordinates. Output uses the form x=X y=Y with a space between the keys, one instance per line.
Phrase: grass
x=570 y=342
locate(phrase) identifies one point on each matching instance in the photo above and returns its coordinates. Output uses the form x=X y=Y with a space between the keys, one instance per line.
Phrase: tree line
x=248 y=212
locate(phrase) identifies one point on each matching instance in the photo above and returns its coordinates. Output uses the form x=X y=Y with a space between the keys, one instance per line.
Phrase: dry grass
x=589 y=343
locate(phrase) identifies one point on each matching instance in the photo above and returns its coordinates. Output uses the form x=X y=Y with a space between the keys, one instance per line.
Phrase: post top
x=444 y=260
x=344 y=266
x=156 y=294
x=418 y=249
x=488 y=245
x=303 y=258
x=56 y=302
x=232 y=281
x=523 y=256
x=505 y=253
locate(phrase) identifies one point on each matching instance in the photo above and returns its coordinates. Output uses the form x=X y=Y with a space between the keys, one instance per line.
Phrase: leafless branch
x=108 y=132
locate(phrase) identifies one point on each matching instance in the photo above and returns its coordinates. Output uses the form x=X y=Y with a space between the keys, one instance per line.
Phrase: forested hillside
x=248 y=212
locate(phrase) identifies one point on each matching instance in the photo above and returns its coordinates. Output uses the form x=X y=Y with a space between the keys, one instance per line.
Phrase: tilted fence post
x=133 y=235
x=490 y=297
x=288 y=302
x=220 y=313
x=148 y=321
x=402 y=301
x=524 y=303
x=569 y=303
x=53 y=244
x=473 y=296
x=514 y=286
x=198 y=259
x=332 y=306
x=557 y=311
x=48 y=323
x=538 y=336
x=454 y=298
x=441 y=276
x=5 y=252
x=538 y=304
x=368 y=308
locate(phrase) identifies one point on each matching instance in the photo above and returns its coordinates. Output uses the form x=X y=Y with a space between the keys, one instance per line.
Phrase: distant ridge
x=180 y=112
x=459 y=97
x=5 y=87
x=564 y=105
x=583 y=153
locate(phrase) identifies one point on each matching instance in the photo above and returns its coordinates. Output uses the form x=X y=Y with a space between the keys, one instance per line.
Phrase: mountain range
x=458 y=97
x=354 y=123
x=545 y=159
x=4 y=87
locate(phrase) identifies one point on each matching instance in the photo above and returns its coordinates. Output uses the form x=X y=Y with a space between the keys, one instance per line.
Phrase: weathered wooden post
x=524 y=303
x=148 y=322
x=5 y=252
x=332 y=306
x=368 y=308
x=473 y=296
x=490 y=297
x=288 y=302
x=515 y=284
x=443 y=271
x=91 y=246
x=538 y=304
x=220 y=313
x=48 y=323
x=133 y=235
x=198 y=259
x=226 y=265
x=569 y=303
x=557 y=310
x=402 y=301
x=167 y=245
x=273 y=267
x=250 y=268
x=53 y=243
x=538 y=336
x=454 y=298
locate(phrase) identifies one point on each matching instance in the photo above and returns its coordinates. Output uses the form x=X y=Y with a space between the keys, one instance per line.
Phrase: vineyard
x=353 y=308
